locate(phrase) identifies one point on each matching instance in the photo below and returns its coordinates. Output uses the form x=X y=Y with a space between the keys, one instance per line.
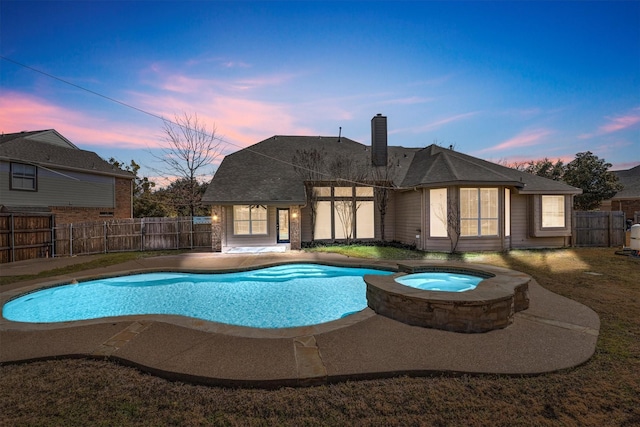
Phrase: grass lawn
x=603 y=392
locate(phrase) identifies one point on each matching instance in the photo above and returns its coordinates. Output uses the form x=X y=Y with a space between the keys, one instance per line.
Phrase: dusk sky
x=503 y=81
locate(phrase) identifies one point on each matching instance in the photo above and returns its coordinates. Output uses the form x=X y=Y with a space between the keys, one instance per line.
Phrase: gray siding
x=60 y=188
x=521 y=207
x=407 y=222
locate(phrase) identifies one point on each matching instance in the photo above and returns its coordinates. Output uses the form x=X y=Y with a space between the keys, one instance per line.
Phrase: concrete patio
x=554 y=333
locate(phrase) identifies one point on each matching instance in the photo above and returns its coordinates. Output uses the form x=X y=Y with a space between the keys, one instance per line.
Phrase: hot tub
x=490 y=305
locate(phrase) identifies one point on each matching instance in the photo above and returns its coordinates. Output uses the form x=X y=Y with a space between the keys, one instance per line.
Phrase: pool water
x=440 y=281
x=274 y=297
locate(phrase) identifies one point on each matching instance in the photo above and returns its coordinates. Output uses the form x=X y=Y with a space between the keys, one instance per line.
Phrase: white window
x=344 y=212
x=507 y=212
x=479 y=211
x=364 y=220
x=438 y=212
x=23 y=177
x=323 y=220
x=552 y=211
x=249 y=219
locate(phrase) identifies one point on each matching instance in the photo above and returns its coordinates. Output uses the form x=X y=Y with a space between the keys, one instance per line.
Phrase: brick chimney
x=379 y=140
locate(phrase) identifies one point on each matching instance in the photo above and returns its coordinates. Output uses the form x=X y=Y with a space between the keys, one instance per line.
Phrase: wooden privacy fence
x=598 y=229
x=25 y=236
x=136 y=234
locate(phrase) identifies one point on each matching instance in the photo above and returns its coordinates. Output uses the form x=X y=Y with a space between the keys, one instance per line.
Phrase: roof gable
x=50 y=136
x=436 y=166
x=52 y=150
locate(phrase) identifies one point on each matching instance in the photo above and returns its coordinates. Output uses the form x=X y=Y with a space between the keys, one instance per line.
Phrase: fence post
x=12 y=242
x=104 y=235
x=573 y=228
x=610 y=217
x=70 y=239
x=141 y=234
x=52 y=223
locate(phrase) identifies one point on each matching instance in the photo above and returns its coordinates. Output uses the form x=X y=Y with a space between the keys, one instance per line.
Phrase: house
x=626 y=200
x=286 y=190
x=44 y=172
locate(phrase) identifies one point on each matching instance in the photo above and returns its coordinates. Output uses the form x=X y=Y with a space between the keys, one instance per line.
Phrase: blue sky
x=504 y=81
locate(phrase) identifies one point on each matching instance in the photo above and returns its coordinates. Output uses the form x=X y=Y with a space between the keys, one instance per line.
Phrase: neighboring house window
x=438 y=212
x=23 y=177
x=249 y=219
x=552 y=211
x=478 y=211
x=344 y=212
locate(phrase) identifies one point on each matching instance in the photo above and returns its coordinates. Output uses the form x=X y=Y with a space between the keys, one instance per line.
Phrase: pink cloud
x=616 y=124
x=622 y=122
x=239 y=122
x=523 y=139
x=409 y=100
x=437 y=124
x=179 y=82
x=20 y=112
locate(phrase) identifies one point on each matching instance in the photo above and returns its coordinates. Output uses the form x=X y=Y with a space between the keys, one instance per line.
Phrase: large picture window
x=23 y=177
x=249 y=220
x=478 y=211
x=552 y=211
x=344 y=213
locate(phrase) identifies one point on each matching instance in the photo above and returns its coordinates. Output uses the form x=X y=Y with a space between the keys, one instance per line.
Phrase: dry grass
x=603 y=392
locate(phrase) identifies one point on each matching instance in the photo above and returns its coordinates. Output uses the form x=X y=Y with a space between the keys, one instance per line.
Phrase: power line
x=148 y=113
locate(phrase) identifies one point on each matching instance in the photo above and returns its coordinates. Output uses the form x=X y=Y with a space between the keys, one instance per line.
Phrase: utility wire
x=148 y=113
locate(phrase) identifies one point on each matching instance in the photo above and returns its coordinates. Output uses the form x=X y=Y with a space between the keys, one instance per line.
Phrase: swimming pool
x=282 y=296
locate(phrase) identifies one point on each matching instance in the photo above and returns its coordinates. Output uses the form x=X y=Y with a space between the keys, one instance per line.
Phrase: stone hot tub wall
x=491 y=305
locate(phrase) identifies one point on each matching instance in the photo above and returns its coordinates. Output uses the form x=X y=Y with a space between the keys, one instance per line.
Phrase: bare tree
x=383 y=177
x=309 y=165
x=453 y=220
x=190 y=154
x=449 y=216
x=348 y=171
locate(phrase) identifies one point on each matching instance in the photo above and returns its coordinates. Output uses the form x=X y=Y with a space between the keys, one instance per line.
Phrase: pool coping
x=554 y=333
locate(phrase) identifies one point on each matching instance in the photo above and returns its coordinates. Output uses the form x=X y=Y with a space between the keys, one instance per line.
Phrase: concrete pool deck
x=554 y=333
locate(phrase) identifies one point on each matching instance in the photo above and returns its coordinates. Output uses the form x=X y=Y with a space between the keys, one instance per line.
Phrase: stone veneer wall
x=295 y=227
x=217 y=230
x=490 y=306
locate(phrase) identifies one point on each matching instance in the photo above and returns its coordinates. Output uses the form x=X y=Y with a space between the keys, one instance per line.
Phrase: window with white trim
x=478 y=211
x=553 y=211
x=344 y=211
x=24 y=177
x=249 y=220
x=507 y=212
x=438 y=213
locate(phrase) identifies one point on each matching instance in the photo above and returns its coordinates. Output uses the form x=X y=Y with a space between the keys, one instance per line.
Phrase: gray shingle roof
x=20 y=148
x=630 y=180
x=263 y=173
x=435 y=165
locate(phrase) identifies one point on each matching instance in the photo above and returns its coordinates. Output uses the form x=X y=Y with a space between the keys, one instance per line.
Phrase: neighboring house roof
x=49 y=149
x=630 y=180
x=263 y=173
